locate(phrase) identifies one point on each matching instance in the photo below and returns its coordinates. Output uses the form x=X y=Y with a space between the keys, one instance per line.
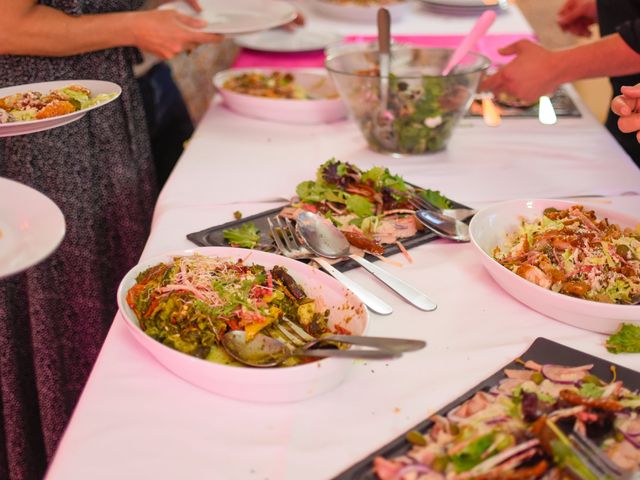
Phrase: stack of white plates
x=465 y=7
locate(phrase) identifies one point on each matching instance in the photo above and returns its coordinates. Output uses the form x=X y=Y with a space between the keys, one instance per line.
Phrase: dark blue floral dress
x=55 y=316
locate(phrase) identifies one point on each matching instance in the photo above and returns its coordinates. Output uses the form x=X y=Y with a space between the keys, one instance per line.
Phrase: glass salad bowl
x=423 y=106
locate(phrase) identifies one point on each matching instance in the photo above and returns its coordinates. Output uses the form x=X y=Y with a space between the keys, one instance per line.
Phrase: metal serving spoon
x=444 y=226
x=324 y=239
x=265 y=351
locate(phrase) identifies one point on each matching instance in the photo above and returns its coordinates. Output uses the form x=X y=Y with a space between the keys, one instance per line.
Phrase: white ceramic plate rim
x=50 y=234
x=96 y=87
x=599 y=308
x=220 y=77
x=269 y=21
x=253 y=41
x=126 y=313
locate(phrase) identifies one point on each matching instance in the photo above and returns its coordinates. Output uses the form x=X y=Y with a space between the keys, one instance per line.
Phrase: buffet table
x=135 y=419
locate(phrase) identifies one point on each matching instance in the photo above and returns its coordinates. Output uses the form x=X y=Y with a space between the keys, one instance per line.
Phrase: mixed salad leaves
x=372 y=207
x=189 y=303
x=420 y=115
x=573 y=252
x=37 y=106
x=520 y=428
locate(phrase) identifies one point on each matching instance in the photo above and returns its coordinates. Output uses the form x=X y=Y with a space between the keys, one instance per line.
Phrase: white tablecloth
x=137 y=420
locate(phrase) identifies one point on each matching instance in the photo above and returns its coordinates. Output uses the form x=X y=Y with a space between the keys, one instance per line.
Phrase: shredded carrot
x=389 y=261
x=404 y=251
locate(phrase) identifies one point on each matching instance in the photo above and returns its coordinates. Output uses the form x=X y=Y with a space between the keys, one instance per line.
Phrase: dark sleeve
x=630 y=33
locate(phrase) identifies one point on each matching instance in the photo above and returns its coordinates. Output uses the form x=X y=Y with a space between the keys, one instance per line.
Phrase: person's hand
x=295 y=23
x=195 y=4
x=576 y=16
x=529 y=75
x=626 y=106
x=165 y=33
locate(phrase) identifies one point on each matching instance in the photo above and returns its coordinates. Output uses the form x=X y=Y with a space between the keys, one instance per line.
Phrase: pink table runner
x=488 y=46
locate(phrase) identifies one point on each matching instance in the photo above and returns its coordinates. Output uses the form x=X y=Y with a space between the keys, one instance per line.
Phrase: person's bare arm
x=537 y=71
x=27 y=28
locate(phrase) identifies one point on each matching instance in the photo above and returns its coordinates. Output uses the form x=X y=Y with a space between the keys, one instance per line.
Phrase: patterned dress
x=55 y=316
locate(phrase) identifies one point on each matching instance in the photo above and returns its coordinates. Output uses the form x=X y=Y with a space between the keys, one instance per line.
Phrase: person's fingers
x=621 y=107
x=629 y=124
x=568 y=5
x=198 y=38
x=513 y=48
x=299 y=20
x=190 y=21
x=491 y=83
x=195 y=5
x=631 y=91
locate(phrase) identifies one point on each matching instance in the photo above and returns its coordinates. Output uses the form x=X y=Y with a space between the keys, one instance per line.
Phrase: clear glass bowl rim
x=485 y=64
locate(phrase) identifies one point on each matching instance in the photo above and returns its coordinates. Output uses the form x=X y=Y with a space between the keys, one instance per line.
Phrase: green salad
x=190 y=302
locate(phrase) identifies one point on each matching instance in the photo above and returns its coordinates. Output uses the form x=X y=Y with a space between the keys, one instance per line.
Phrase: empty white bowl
x=266 y=385
x=489 y=228
x=284 y=110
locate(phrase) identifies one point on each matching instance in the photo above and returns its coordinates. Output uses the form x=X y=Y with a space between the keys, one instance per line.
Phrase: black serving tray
x=213 y=236
x=542 y=351
x=562 y=103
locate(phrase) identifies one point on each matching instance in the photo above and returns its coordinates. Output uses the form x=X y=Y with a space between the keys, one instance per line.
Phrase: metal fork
x=598 y=460
x=285 y=239
x=299 y=337
x=458 y=213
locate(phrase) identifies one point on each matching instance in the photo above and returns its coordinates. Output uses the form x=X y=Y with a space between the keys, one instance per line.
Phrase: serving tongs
x=578 y=455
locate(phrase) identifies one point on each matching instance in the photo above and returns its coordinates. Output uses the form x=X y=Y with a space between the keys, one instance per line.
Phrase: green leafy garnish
x=591 y=390
x=245 y=236
x=471 y=455
x=360 y=206
x=625 y=340
x=435 y=198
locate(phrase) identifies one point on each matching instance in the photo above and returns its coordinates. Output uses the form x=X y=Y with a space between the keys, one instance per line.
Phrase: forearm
x=607 y=57
x=33 y=29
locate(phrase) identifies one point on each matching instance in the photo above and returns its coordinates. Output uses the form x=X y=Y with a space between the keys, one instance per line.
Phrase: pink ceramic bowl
x=267 y=385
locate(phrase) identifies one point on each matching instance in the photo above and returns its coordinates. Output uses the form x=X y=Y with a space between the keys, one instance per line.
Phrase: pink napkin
x=488 y=45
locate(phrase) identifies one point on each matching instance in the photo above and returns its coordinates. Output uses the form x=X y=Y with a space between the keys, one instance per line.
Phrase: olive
x=537 y=378
x=416 y=438
x=549 y=210
x=623 y=251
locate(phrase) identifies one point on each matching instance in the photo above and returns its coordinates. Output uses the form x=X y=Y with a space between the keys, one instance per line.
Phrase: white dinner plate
x=284 y=110
x=32 y=126
x=300 y=40
x=238 y=16
x=359 y=13
x=489 y=228
x=31 y=227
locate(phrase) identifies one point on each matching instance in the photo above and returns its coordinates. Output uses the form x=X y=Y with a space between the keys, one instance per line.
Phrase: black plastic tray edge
x=200 y=238
x=531 y=112
x=541 y=350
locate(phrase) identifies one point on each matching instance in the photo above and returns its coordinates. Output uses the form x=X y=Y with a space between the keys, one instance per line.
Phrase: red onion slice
x=632 y=439
x=503 y=456
x=564 y=375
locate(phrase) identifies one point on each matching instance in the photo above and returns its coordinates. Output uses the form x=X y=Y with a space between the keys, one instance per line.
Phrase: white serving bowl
x=314 y=80
x=354 y=12
x=489 y=228
x=268 y=385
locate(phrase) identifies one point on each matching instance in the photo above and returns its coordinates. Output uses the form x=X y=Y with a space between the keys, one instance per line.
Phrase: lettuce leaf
x=625 y=340
x=245 y=236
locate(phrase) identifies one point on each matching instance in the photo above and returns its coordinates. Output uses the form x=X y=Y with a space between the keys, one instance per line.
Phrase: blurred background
x=193 y=71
